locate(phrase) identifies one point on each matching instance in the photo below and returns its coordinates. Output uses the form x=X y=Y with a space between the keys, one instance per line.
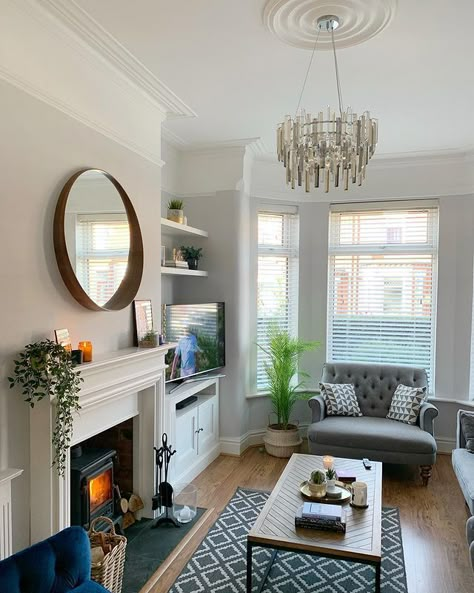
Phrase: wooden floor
x=433 y=519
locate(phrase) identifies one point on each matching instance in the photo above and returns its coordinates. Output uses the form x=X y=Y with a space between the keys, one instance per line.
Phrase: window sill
x=263 y=393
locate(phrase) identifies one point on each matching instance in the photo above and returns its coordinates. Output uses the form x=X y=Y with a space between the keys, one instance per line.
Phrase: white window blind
x=277 y=280
x=382 y=285
x=102 y=247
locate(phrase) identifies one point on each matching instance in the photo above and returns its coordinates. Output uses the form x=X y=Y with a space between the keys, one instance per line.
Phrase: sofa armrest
x=428 y=413
x=318 y=408
x=460 y=438
x=470 y=538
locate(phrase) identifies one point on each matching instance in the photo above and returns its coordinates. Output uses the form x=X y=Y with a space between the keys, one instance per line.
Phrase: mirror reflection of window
x=102 y=247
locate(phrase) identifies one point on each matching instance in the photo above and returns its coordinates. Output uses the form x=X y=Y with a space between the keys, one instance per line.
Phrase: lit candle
x=328 y=462
x=86 y=348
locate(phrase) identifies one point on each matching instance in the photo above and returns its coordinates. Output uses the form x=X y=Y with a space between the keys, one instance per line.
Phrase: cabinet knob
x=199 y=430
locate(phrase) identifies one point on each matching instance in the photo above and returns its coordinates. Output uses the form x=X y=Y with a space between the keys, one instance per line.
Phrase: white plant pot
x=331 y=485
x=282 y=443
x=176 y=216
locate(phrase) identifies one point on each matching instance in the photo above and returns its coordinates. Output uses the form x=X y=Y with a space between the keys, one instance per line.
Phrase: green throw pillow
x=467 y=426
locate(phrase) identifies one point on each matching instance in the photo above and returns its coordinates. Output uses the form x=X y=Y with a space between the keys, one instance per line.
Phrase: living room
x=181 y=102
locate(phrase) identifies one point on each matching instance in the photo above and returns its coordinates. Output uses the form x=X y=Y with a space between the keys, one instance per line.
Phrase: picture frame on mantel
x=143 y=316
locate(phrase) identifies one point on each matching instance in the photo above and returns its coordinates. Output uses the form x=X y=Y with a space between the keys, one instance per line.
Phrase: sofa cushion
x=463 y=465
x=340 y=399
x=467 y=425
x=406 y=403
x=374 y=383
x=380 y=433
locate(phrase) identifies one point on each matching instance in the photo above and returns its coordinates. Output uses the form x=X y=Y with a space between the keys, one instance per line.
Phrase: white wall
x=41 y=148
x=448 y=178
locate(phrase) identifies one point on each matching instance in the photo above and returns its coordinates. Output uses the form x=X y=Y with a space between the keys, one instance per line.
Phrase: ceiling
x=416 y=76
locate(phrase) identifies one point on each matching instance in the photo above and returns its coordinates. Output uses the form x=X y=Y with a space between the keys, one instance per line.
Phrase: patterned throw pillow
x=406 y=403
x=340 y=399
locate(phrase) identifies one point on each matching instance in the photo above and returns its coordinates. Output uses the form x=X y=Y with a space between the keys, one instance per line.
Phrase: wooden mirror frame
x=128 y=288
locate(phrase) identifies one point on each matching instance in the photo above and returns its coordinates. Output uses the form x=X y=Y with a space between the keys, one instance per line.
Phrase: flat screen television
x=199 y=331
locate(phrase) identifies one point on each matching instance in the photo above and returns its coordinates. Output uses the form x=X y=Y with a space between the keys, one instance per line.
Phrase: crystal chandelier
x=326 y=148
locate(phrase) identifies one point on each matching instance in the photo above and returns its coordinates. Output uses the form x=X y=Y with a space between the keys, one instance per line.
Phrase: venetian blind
x=102 y=247
x=382 y=285
x=277 y=280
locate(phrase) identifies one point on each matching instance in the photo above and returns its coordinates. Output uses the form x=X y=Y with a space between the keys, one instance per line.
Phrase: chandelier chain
x=307 y=72
x=336 y=68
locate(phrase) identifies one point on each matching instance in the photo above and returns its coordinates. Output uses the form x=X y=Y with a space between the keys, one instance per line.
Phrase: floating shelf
x=182 y=272
x=174 y=229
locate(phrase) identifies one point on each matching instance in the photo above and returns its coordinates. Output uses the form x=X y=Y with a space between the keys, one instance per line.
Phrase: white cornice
x=54 y=51
x=108 y=48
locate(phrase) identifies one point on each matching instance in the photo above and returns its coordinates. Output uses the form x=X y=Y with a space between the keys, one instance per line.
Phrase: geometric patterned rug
x=219 y=564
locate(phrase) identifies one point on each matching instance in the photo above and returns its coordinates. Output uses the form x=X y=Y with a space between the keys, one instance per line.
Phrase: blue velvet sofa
x=59 y=564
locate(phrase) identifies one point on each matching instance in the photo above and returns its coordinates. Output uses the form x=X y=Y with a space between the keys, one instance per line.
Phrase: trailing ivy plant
x=45 y=369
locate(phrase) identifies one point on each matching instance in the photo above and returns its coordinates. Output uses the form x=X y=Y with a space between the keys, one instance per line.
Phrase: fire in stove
x=100 y=490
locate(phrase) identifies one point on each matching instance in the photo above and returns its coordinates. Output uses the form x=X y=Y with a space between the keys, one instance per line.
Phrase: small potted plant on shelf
x=45 y=369
x=331 y=478
x=284 y=352
x=149 y=340
x=175 y=211
x=192 y=255
x=317 y=483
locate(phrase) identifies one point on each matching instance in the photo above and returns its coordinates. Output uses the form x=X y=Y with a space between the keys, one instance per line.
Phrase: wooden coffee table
x=275 y=526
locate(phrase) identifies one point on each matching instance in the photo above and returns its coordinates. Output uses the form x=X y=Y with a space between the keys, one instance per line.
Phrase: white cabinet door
x=207 y=424
x=186 y=441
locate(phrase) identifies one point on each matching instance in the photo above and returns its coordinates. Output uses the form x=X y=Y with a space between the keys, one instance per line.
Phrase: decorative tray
x=344 y=489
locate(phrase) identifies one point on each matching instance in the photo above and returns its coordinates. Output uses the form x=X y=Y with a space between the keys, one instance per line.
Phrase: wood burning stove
x=92 y=486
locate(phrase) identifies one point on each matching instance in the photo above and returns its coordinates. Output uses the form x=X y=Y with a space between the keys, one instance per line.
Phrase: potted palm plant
x=285 y=385
x=45 y=369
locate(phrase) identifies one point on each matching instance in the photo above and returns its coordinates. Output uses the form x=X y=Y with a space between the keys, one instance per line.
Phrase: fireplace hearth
x=92 y=486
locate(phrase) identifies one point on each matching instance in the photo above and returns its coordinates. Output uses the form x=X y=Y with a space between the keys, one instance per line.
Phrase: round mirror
x=97 y=241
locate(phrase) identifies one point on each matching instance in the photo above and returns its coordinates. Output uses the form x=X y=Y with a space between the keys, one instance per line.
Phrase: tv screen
x=199 y=331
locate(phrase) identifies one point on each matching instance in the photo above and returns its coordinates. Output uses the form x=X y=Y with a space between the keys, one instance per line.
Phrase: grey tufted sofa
x=373 y=435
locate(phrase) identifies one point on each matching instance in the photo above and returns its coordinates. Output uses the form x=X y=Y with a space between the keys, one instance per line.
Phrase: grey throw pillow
x=406 y=403
x=340 y=399
x=467 y=426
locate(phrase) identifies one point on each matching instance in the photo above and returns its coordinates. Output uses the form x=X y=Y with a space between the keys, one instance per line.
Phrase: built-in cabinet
x=194 y=430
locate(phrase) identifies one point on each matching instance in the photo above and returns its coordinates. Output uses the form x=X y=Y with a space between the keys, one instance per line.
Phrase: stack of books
x=329 y=517
x=176 y=263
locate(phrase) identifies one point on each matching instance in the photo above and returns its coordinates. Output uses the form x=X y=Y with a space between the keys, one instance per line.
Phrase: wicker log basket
x=109 y=571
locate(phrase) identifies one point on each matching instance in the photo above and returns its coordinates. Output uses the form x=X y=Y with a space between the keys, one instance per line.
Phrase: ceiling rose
x=294 y=21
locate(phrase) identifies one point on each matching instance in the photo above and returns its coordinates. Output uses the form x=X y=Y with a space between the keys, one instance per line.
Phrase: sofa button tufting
x=373 y=385
x=356 y=385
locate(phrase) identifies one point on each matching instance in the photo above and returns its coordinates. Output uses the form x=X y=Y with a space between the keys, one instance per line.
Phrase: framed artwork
x=143 y=319
x=63 y=339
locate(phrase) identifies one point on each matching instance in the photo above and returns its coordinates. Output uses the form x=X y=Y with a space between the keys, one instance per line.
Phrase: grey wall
x=40 y=149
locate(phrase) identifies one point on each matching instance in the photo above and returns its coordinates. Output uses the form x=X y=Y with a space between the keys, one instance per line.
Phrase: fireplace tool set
x=163 y=489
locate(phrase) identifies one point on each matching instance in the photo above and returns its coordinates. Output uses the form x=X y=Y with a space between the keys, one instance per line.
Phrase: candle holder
x=328 y=462
x=86 y=348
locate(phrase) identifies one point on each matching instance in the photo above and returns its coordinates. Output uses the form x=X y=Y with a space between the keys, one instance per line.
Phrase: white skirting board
x=237 y=445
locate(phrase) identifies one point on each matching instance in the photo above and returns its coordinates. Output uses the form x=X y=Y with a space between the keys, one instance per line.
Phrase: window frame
x=388 y=248
x=291 y=252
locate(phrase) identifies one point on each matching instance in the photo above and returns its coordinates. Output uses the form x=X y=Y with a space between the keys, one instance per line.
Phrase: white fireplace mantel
x=117 y=386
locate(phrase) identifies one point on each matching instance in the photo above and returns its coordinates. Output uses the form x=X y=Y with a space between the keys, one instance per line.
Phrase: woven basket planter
x=108 y=572
x=282 y=443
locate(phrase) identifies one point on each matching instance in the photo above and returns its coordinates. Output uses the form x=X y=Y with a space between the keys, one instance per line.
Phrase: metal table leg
x=378 y=571
x=249 y=567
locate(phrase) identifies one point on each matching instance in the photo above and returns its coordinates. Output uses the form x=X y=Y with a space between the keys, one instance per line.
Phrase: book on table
x=315 y=510
x=332 y=520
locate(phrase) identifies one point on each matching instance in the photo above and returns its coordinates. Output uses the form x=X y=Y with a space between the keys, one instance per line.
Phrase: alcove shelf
x=182 y=272
x=175 y=229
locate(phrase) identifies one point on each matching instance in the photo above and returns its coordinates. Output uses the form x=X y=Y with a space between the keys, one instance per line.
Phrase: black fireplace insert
x=92 y=486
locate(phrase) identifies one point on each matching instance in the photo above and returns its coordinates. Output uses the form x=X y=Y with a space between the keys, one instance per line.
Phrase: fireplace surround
x=117 y=386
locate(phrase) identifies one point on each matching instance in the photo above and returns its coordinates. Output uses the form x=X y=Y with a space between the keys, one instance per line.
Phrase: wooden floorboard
x=433 y=518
